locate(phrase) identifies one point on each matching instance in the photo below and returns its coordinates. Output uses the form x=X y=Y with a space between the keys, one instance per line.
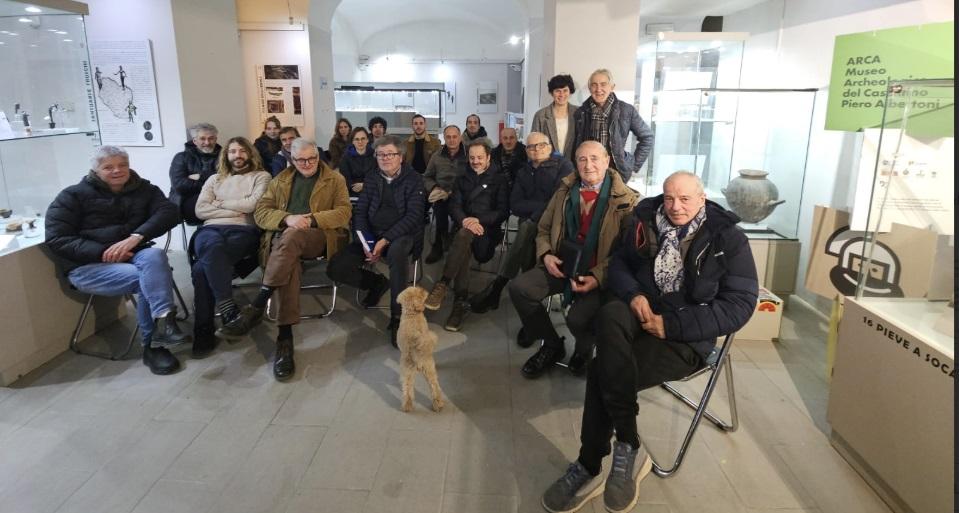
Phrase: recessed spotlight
x=33 y=46
x=62 y=33
x=67 y=40
x=51 y=30
x=2 y=43
x=12 y=34
x=24 y=20
x=32 y=9
x=514 y=40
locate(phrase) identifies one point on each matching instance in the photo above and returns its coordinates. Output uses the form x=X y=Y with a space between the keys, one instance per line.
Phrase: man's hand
x=641 y=309
x=298 y=221
x=473 y=224
x=654 y=326
x=584 y=284
x=377 y=251
x=121 y=251
x=553 y=266
x=437 y=194
x=357 y=187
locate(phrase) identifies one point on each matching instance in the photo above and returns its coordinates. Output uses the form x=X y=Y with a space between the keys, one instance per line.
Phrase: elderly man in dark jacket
x=479 y=206
x=99 y=230
x=389 y=214
x=191 y=168
x=685 y=276
x=534 y=186
x=510 y=156
x=609 y=120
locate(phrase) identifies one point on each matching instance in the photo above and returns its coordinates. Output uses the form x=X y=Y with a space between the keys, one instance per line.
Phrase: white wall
x=442 y=39
x=260 y=47
x=465 y=76
x=346 y=51
x=791 y=46
x=122 y=20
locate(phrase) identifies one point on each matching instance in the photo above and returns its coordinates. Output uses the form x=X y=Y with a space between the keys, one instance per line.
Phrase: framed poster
x=125 y=92
x=486 y=97
x=280 y=93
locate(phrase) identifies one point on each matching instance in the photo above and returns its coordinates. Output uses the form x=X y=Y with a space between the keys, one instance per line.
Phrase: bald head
x=683 y=197
x=685 y=180
x=507 y=139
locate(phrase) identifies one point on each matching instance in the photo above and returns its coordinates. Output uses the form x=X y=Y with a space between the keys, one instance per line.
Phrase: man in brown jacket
x=420 y=146
x=581 y=223
x=305 y=213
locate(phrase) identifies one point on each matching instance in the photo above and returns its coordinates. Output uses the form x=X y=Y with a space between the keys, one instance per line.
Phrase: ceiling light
x=62 y=33
x=67 y=40
x=12 y=34
x=514 y=40
x=24 y=20
x=32 y=9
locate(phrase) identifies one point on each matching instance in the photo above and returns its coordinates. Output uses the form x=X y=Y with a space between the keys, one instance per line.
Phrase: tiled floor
x=87 y=435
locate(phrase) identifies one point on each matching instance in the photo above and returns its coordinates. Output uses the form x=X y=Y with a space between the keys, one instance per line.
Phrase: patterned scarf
x=599 y=126
x=668 y=267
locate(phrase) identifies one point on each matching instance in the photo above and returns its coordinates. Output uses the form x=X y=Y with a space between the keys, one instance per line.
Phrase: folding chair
x=306 y=262
x=75 y=339
x=718 y=359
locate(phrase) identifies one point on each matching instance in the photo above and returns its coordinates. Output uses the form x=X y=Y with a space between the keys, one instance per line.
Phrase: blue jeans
x=147 y=274
x=217 y=250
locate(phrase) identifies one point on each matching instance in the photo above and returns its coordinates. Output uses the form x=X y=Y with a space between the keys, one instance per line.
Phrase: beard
x=240 y=164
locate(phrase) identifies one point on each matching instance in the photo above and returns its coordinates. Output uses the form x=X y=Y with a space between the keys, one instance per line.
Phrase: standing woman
x=268 y=143
x=228 y=236
x=339 y=142
x=357 y=161
x=556 y=119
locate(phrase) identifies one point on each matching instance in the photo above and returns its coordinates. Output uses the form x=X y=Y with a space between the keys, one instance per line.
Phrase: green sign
x=863 y=65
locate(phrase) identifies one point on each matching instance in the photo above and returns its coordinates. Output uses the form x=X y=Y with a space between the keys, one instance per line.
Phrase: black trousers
x=527 y=293
x=441 y=212
x=347 y=267
x=627 y=360
x=218 y=249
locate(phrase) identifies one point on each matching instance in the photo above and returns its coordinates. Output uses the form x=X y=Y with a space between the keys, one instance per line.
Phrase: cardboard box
x=766 y=319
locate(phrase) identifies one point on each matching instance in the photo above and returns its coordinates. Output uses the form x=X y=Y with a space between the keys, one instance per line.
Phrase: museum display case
x=896 y=338
x=394 y=102
x=48 y=121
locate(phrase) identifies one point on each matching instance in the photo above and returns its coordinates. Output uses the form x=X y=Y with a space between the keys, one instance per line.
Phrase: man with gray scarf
x=684 y=275
x=606 y=119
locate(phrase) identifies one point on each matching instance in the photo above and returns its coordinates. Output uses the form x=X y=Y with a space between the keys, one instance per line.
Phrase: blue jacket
x=535 y=186
x=623 y=119
x=409 y=198
x=719 y=290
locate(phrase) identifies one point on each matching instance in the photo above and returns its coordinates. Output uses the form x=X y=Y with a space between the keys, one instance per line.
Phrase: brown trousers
x=283 y=268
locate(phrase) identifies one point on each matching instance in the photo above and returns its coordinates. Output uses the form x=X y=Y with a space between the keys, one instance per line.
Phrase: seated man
x=584 y=216
x=305 y=213
x=444 y=167
x=389 y=213
x=100 y=230
x=479 y=205
x=282 y=160
x=534 y=186
x=228 y=236
x=683 y=276
x=191 y=168
x=510 y=156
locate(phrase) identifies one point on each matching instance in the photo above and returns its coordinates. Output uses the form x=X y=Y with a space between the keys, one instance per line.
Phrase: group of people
x=648 y=283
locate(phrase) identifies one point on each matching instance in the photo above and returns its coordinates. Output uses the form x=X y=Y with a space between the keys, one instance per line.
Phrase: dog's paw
x=438 y=404
x=408 y=405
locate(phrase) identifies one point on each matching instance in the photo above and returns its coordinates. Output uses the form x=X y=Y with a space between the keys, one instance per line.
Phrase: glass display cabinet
x=751 y=162
x=394 y=102
x=48 y=121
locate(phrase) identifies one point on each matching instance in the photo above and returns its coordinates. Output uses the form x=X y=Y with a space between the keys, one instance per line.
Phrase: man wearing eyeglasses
x=534 y=186
x=304 y=213
x=389 y=214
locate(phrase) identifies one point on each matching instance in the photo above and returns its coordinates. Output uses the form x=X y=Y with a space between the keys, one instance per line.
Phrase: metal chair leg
x=700 y=408
x=184 y=313
x=75 y=339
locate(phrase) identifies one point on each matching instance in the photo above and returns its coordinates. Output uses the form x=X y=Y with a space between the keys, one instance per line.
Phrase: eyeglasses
x=537 y=146
x=358 y=139
x=307 y=161
x=387 y=155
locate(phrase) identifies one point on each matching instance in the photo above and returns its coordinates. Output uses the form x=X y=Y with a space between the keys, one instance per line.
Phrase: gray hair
x=105 y=152
x=302 y=142
x=541 y=134
x=202 y=127
x=700 y=189
x=601 y=71
x=592 y=143
x=390 y=139
x=452 y=126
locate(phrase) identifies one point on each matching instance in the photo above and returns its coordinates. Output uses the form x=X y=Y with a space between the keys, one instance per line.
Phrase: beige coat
x=231 y=200
x=545 y=123
x=552 y=229
x=329 y=203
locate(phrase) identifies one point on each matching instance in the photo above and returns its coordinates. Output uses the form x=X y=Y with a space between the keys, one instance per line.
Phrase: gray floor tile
x=174 y=496
x=469 y=503
x=217 y=452
x=40 y=489
x=327 y=501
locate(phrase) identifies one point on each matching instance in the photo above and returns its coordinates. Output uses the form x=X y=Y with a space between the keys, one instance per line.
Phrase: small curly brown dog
x=416 y=343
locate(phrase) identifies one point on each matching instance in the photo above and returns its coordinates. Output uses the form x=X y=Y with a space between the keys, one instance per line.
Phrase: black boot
x=204 y=342
x=160 y=360
x=436 y=252
x=376 y=285
x=168 y=332
x=488 y=298
x=543 y=359
x=393 y=327
x=283 y=365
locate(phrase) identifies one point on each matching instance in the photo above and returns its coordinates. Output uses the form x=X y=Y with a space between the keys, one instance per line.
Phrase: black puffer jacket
x=485 y=197
x=87 y=218
x=720 y=287
x=519 y=160
x=183 y=190
x=534 y=187
x=354 y=167
x=409 y=198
